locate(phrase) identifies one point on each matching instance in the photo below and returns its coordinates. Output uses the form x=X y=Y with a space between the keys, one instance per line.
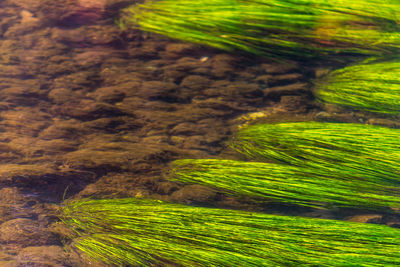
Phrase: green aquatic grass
x=285 y=184
x=141 y=232
x=345 y=151
x=274 y=28
x=373 y=87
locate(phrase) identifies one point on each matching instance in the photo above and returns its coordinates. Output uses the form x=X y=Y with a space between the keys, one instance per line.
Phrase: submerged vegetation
x=366 y=87
x=142 y=232
x=319 y=165
x=286 y=184
x=275 y=28
x=345 y=151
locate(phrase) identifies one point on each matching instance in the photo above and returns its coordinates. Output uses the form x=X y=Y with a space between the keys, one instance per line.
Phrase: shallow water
x=89 y=110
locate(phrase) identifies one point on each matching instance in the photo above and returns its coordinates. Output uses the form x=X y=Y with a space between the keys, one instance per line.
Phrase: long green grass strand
x=366 y=87
x=141 y=232
x=285 y=184
x=275 y=27
x=342 y=150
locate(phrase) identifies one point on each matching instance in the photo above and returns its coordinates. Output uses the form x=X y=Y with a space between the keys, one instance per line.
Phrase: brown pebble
x=42 y=256
x=23 y=232
x=365 y=218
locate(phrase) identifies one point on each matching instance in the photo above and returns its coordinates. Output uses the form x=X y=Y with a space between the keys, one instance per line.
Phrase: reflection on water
x=89 y=110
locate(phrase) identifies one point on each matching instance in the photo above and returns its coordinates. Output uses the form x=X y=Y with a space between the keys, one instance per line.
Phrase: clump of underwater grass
x=273 y=28
x=344 y=151
x=285 y=184
x=142 y=232
x=373 y=87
